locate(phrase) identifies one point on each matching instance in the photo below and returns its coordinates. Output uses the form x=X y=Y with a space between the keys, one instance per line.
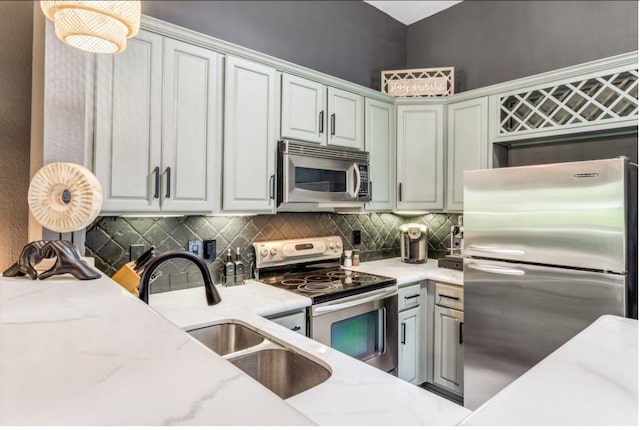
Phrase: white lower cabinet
x=249 y=148
x=294 y=321
x=411 y=334
x=448 y=349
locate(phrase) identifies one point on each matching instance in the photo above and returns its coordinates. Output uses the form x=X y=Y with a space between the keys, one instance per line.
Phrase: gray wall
x=494 y=41
x=347 y=39
x=16 y=22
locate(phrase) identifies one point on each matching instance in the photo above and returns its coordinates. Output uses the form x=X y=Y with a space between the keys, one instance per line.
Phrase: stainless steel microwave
x=311 y=176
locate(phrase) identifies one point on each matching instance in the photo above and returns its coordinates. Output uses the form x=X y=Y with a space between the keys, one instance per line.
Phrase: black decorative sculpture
x=67 y=261
x=30 y=256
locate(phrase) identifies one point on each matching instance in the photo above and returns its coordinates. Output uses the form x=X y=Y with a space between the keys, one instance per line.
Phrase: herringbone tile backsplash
x=109 y=238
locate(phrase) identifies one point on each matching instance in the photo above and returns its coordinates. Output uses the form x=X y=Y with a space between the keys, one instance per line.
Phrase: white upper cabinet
x=345 y=119
x=303 y=109
x=191 y=124
x=379 y=141
x=420 y=149
x=158 y=127
x=467 y=145
x=316 y=113
x=127 y=128
x=249 y=137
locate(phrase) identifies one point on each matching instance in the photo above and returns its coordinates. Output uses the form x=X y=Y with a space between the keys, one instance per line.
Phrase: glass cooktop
x=327 y=284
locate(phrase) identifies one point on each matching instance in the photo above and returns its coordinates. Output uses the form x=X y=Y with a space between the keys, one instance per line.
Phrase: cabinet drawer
x=293 y=321
x=408 y=297
x=449 y=296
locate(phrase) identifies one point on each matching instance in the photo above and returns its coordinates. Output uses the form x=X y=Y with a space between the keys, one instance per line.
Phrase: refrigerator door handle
x=496 y=269
x=496 y=250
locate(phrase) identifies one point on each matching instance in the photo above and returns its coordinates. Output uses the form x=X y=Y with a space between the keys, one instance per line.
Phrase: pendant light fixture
x=95 y=26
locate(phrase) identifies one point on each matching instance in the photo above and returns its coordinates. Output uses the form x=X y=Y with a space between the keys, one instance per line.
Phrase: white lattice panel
x=418 y=82
x=587 y=101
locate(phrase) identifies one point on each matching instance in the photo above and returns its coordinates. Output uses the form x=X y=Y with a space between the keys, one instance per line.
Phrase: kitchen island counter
x=592 y=380
x=90 y=353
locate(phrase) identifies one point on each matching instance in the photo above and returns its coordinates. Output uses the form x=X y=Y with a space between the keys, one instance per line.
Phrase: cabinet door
x=467 y=145
x=408 y=345
x=345 y=120
x=420 y=143
x=448 y=349
x=379 y=140
x=192 y=128
x=127 y=128
x=304 y=113
x=249 y=137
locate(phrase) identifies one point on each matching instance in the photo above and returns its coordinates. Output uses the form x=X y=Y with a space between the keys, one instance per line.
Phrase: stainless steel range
x=353 y=312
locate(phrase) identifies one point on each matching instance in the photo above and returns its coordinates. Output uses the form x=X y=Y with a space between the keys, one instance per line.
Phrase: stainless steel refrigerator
x=548 y=249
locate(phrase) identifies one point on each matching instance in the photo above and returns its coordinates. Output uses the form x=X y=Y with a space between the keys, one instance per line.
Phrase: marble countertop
x=590 y=380
x=90 y=353
x=355 y=394
x=406 y=273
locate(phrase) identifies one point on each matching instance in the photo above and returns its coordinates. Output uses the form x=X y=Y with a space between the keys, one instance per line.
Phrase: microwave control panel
x=363 y=191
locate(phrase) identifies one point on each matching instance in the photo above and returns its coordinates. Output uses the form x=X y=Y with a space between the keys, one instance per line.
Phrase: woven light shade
x=95 y=26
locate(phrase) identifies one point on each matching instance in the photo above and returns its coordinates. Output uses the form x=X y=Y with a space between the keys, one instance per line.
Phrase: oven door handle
x=367 y=298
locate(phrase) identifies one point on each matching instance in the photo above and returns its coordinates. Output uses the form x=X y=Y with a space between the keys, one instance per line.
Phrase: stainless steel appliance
x=548 y=249
x=413 y=246
x=355 y=313
x=311 y=176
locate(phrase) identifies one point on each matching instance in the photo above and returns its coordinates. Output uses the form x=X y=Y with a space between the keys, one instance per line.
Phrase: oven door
x=321 y=180
x=364 y=326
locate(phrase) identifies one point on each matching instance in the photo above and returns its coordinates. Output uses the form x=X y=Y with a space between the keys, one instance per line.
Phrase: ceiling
x=408 y=12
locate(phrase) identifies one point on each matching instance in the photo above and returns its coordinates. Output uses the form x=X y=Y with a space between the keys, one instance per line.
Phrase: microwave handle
x=358 y=180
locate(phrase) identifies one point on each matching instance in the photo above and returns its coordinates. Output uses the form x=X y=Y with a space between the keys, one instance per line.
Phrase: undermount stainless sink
x=281 y=369
x=227 y=338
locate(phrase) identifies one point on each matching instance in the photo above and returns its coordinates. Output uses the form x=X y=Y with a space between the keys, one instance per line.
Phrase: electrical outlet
x=136 y=250
x=357 y=238
x=210 y=249
x=196 y=247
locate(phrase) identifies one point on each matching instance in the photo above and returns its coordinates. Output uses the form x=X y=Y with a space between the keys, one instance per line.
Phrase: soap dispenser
x=229 y=269
x=239 y=268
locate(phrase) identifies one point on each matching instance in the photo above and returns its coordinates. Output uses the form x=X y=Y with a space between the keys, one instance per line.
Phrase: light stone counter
x=406 y=273
x=592 y=380
x=355 y=394
x=89 y=353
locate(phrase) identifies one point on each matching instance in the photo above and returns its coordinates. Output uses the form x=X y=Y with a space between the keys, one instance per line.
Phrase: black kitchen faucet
x=213 y=297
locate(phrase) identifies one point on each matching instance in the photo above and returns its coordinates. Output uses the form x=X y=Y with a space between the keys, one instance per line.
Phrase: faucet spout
x=213 y=297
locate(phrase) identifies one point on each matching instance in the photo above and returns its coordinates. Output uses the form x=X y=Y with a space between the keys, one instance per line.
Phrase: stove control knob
x=264 y=252
x=338 y=246
x=274 y=251
x=331 y=245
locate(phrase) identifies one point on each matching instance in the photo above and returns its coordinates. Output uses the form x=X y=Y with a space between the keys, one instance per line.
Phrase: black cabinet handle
x=296 y=328
x=403 y=337
x=460 y=332
x=333 y=124
x=272 y=187
x=412 y=297
x=168 y=193
x=400 y=191
x=321 y=122
x=449 y=297
x=156 y=192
